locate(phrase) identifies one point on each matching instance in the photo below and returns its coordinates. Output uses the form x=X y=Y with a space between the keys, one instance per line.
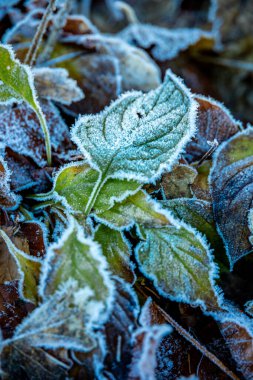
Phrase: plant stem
x=186 y=335
x=92 y=199
x=43 y=124
x=59 y=23
x=31 y=56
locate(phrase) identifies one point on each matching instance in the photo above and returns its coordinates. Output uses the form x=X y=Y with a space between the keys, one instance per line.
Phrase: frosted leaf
x=74 y=183
x=20 y=131
x=8 y=199
x=139 y=135
x=16 y=85
x=55 y=84
x=137 y=208
x=231 y=182
x=179 y=262
x=164 y=43
x=147 y=339
x=198 y=214
x=176 y=183
x=28 y=269
x=77 y=259
x=119 y=330
x=117 y=251
x=214 y=122
x=249 y=308
x=57 y=322
x=237 y=330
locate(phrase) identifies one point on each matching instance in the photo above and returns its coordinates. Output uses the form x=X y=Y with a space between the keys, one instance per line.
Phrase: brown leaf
x=200 y=186
x=7 y=198
x=176 y=183
x=119 y=329
x=239 y=338
x=231 y=181
x=20 y=130
x=214 y=122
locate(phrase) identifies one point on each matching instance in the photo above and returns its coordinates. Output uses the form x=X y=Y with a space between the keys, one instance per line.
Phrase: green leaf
x=197 y=213
x=74 y=183
x=16 y=85
x=139 y=135
x=79 y=260
x=116 y=250
x=180 y=264
x=28 y=268
x=137 y=208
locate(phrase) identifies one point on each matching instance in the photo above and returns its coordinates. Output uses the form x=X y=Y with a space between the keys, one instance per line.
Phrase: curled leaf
x=8 y=199
x=54 y=84
x=164 y=44
x=231 y=181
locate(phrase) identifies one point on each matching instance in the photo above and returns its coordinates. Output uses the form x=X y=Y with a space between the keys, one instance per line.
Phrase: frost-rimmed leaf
x=179 y=262
x=117 y=251
x=74 y=183
x=57 y=322
x=119 y=330
x=237 y=330
x=231 y=183
x=79 y=259
x=198 y=214
x=139 y=135
x=147 y=340
x=8 y=199
x=138 y=208
x=214 y=122
x=55 y=84
x=16 y=85
x=163 y=43
x=20 y=131
x=28 y=270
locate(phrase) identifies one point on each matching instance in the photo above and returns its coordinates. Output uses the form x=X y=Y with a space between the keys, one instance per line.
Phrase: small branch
x=31 y=56
x=214 y=144
x=59 y=23
x=185 y=334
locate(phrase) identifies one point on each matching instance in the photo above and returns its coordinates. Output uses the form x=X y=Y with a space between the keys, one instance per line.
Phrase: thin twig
x=214 y=144
x=30 y=58
x=185 y=334
x=59 y=23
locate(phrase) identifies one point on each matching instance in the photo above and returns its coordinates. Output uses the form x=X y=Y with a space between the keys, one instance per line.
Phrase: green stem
x=96 y=190
x=43 y=124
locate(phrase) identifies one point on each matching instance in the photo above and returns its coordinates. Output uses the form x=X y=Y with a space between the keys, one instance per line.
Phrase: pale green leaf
x=16 y=85
x=180 y=264
x=78 y=259
x=139 y=135
x=28 y=268
x=74 y=183
x=116 y=250
x=137 y=208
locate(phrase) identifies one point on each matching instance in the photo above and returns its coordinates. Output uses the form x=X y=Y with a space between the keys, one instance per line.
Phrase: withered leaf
x=119 y=329
x=54 y=84
x=214 y=122
x=8 y=199
x=20 y=131
x=231 y=181
x=176 y=183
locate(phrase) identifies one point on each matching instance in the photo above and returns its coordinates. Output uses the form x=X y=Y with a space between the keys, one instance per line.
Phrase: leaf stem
x=92 y=199
x=45 y=130
x=186 y=335
x=31 y=55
